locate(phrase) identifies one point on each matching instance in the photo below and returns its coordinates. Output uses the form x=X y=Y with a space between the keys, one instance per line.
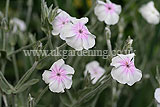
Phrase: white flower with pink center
x=77 y=35
x=157 y=95
x=60 y=20
x=95 y=71
x=150 y=13
x=59 y=76
x=107 y=12
x=124 y=70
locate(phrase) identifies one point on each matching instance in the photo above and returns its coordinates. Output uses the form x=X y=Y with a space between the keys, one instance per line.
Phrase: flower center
x=95 y=73
x=63 y=23
x=127 y=65
x=109 y=8
x=80 y=31
x=58 y=74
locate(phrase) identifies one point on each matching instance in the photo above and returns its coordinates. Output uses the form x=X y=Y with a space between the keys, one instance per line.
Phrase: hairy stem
x=41 y=94
x=7 y=7
x=29 y=12
x=5 y=100
x=91 y=9
x=28 y=46
x=15 y=66
x=108 y=36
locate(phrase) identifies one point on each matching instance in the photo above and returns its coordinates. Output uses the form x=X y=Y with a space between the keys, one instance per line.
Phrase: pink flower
x=59 y=76
x=60 y=20
x=77 y=35
x=18 y=24
x=150 y=13
x=124 y=70
x=95 y=70
x=107 y=12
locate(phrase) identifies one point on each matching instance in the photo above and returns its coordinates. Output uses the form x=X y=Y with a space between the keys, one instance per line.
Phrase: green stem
x=28 y=46
x=41 y=94
x=95 y=90
x=70 y=96
x=5 y=100
x=114 y=93
x=0 y=99
x=4 y=40
x=55 y=3
x=3 y=66
x=15 y=66
x=108 y=36
x=91 y=9
x=50 y=41
x=29 y=12
x=7 y=7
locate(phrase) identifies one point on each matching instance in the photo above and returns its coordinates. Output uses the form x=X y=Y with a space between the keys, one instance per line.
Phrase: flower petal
x=100 y=12
x=150 y=13
x=130 y=56
x=134 y=77
x=69 y=69
x=75 y=42
x=116 y=60
x=58 y=63
x=157 y=95
x=68 y=82
x=112 y=19
x=46 y=76
x=89 y=42
x=56 y=30
x=92 y=64
x=67 y=31
x=117 y=8
x=120 y=75
x=56 y=86
x=83 y=20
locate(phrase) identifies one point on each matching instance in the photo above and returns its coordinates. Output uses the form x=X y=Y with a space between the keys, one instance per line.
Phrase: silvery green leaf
x=5 y=85
x=65 y=100
x=26 y=85
x=52 y=14
x=26 y=76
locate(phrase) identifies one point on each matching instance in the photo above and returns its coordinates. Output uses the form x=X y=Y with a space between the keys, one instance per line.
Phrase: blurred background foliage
x=145 y=37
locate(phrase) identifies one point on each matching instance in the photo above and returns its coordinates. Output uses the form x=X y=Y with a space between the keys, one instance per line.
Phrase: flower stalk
x=108 y=36
x=15 y=66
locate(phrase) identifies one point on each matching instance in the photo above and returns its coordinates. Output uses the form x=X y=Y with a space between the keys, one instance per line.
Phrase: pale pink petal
x=92 y=64
x=56 y=86
x=56 y=30
x=100 y=12
x=120 y=75
x=134 y=77
x=67 y=82
x=58 y=63
x=130 y=56
x=112 y=19
x=157 y=95
x=116 y=61
x=46 y=76
x=83 y=20
x=117 y=8
x=89 y=42
x=75 y=42
x=68 y=69
x=67 y=31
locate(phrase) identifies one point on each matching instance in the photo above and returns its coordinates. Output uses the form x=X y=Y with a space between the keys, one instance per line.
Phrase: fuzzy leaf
x=26 y=85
